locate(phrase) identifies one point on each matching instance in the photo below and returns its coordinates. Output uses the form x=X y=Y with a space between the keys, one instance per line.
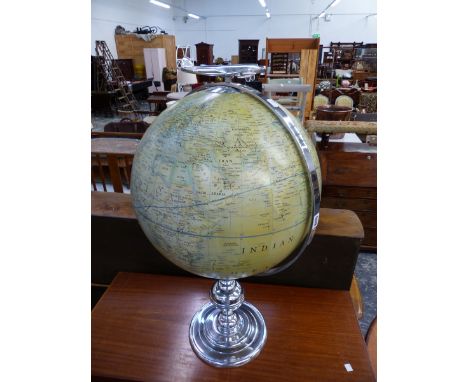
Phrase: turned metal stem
x=227 y=296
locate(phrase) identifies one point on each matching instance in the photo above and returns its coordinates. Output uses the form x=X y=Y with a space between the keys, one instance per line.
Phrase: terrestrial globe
x=226 y=184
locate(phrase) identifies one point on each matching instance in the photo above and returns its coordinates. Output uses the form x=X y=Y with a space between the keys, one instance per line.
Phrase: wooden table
x=140 y=333
x=159 y=100
x=175 y=96
x=124 y=146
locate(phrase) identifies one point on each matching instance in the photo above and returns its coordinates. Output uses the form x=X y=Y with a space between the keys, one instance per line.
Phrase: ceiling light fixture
x=268 y=14
x=262 y=3
x=161 y=4
x=322 y=14
x=193 y=16
x=334 y=3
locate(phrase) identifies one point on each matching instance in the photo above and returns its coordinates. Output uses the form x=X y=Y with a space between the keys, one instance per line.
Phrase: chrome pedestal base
x=227 y=332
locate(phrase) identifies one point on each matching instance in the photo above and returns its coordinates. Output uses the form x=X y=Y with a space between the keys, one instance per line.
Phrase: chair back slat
x=111 y=169
x=101 y=171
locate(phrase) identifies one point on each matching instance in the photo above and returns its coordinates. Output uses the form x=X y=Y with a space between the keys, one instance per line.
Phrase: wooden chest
x=349 y=175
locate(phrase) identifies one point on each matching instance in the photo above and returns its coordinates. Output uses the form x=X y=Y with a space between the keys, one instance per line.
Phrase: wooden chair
x=319 y=100
x=371 y=341
x=294 y=104
x=344 y=100
x=287 y=99
x=107 y=169
x=111 y=163
x=126 y=125
x=333 y=94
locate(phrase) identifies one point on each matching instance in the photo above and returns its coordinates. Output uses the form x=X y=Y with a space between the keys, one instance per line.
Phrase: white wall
x=228 y=21
x=107 y=14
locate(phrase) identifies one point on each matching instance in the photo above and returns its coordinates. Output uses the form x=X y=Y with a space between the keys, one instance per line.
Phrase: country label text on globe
x=219 y=186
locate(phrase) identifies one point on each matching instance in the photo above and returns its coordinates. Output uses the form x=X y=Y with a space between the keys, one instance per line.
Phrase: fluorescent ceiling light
x=322 y=14
x=268 y=14
x=335 y=3
x=193 y=16
x=159 y=3
x=262 y=3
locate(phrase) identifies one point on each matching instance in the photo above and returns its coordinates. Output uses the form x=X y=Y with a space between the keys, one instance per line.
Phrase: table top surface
x=176 y=95
x=156 y=98
x=140 y=332
x=114 y=146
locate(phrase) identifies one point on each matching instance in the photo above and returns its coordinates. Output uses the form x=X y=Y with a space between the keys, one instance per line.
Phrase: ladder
x=114 y=79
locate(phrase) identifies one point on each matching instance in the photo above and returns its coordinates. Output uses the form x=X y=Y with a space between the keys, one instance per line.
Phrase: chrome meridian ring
x=301 y=145
x=239 y=70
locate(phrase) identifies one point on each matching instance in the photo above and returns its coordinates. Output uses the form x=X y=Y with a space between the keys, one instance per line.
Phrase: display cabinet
x=248 y=51
x=204 y=53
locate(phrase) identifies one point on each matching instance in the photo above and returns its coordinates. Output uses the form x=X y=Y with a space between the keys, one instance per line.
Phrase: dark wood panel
x=370 y=237
x=350 y=204
x=349 y=176
x=112 y=204
x=350 y=192
x=359 y=171
x=348 y=147
x=140 y=333
x=368 y=219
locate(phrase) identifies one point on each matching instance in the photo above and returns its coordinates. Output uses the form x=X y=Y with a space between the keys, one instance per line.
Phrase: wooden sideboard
x=349 y=176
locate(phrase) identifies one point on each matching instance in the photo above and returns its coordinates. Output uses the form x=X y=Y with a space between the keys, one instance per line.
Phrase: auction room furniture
x=286 y=81
x=349 y=174
x=248 y=51
x=333 y=113
x=175 y=96
x=307 y=49
x=126 y=125
x=287 y=46
x=344 y=100
x=140 y=333
x=155 y=62
x=131 y=46
x=343 y=53
x=114 y=134
x=126 y=66
x=365 y=63
x=295 y=104
x=158 y=99
x=204 y=53
x=368 y=102
x=320 y=100
x=111 y=163
x=185 y=80
x=333 y=94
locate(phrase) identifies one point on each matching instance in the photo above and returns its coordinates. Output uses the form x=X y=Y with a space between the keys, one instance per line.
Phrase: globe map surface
x=219 y=186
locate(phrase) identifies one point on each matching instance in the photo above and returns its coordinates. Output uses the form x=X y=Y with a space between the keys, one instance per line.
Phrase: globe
x=226 y=184
x=219 y=186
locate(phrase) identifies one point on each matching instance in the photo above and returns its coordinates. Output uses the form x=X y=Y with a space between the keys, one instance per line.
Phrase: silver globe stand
x=228 y=331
